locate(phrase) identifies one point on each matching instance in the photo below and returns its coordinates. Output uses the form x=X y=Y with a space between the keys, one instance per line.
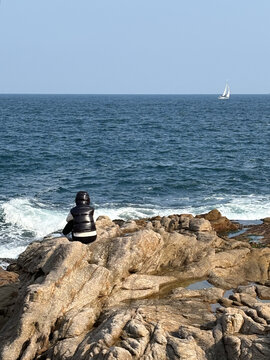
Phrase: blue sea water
x=137 y=156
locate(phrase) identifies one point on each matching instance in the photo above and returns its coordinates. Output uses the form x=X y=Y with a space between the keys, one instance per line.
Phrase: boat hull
x=223 y=98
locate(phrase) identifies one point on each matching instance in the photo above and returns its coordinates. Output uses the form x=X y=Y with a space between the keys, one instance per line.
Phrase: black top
x=81 y=220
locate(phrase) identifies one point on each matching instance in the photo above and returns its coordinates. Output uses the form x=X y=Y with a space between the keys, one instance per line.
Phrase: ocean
x=137 y=156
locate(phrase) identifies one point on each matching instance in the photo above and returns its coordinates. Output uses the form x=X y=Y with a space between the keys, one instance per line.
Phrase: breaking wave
x=23 y=220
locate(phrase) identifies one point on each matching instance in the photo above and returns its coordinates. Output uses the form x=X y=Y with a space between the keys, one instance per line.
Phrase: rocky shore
x=177 y=287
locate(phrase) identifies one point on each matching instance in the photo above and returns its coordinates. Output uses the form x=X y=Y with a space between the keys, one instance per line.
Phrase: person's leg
x=84 y=240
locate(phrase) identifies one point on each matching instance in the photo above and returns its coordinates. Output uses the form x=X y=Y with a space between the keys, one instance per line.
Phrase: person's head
x=82 y=198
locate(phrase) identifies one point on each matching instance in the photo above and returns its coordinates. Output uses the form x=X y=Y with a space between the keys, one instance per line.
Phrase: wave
x=248 y=207
x=32 y=216
x=234 y=207
x=23 y=220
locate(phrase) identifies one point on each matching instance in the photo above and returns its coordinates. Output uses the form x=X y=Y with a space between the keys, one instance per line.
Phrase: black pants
x=84 y=240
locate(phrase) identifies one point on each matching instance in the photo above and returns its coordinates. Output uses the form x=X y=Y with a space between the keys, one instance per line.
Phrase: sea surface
x=136 y=155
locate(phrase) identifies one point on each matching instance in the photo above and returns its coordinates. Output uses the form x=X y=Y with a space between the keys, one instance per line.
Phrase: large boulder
x=218 y=222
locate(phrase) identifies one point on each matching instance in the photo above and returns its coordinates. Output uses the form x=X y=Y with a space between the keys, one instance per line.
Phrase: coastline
x=246 y=226
x=159 y=283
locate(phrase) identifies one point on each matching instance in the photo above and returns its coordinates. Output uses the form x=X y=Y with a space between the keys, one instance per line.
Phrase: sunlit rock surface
x=160 y=288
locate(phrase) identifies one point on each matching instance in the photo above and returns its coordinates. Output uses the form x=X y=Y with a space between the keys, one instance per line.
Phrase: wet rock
x=258 y=235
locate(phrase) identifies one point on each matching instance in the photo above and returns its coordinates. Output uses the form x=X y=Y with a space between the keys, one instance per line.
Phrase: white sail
x=225 y=90
x=226 y=93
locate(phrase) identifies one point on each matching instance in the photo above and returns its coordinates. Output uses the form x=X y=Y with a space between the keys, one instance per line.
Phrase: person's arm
x=68 y=228
x=69 y=217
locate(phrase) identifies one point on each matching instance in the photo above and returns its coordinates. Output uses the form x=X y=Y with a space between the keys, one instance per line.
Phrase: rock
x=7 y=277
x=210 y=295
x=8 y=297
x=218 y=222
x=135 y=253
x=165 y=222
x=104 y=221
x=263 y=292
x=141 y=282
x=196 y=224
x=125 y=297
x=156 y=225
x=212 y=215
x=184 y=220
x=262 y=231
x=263 y=311
x=129 y=226
x=224 y=225
x=8 y=294
x=204 y=338
x=67 y=283
x=139 y=286
x=149 y=226
x=106 y=228
x=225 y=302
x=232 y=322
x=232 y=347
x=247 y=289
x=185 y=349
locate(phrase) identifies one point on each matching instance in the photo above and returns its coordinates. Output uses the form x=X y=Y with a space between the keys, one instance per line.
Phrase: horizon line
x=145 y=94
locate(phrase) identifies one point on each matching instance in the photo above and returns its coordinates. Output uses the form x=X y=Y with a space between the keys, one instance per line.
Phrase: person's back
x=80 y=220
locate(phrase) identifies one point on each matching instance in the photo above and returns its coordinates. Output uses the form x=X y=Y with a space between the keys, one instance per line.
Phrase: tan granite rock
x=7 y=277
x=125 y=297
x=196 y=224
x=218 y=222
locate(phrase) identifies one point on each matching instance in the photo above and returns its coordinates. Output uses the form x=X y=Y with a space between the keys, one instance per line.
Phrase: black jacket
x=80 y=219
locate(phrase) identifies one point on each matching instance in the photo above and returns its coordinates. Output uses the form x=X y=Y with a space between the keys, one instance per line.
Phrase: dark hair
x=82 y=197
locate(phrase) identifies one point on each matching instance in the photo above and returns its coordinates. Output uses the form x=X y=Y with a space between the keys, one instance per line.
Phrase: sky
x=134 y=46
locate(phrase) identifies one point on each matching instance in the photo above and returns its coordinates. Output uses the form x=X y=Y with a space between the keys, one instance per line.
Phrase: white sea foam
x=249 y=207
x=33 y=216
x=11 y=253
x=135 y=211
x=25 y=220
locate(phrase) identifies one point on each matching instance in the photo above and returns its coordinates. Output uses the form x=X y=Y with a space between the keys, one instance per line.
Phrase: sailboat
x=226 y=93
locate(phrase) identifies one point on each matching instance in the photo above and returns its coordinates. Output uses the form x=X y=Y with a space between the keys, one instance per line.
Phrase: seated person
x=80 y=220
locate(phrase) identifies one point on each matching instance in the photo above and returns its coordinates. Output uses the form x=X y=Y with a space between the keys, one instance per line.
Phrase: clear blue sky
x=134 y=46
